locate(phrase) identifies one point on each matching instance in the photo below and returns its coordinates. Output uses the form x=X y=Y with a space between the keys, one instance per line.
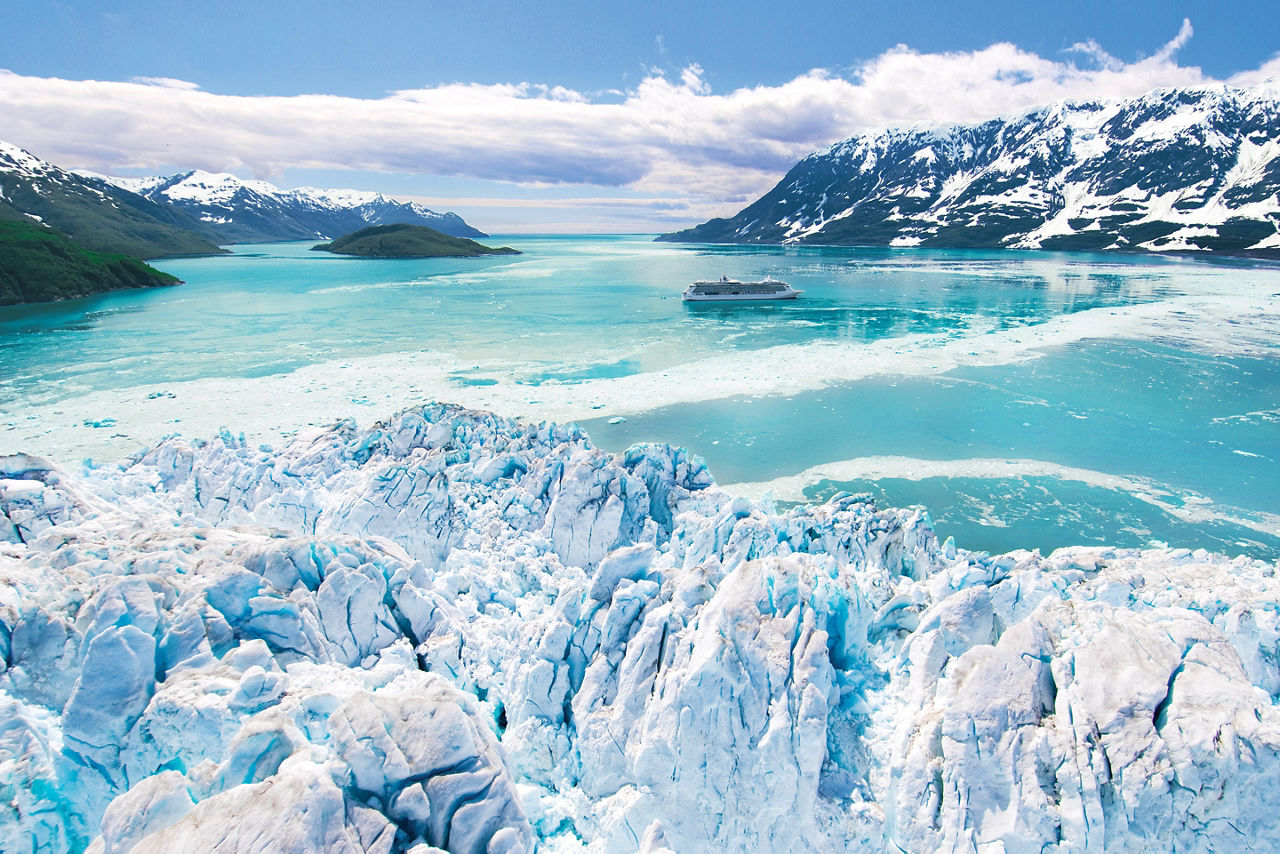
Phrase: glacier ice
x=453 y=631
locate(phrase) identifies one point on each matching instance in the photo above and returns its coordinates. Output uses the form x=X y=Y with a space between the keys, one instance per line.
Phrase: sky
x=570 y=116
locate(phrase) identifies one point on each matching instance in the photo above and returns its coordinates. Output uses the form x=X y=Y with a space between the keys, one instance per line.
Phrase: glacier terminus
x=453 y=631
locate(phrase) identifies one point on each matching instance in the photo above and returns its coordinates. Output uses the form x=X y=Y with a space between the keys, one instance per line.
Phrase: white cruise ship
x=728 y=289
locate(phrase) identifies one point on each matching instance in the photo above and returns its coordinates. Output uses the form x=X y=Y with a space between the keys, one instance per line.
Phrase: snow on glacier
x=455 y=631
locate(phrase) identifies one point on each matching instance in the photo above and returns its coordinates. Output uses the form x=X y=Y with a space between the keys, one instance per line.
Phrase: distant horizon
x=573 y=120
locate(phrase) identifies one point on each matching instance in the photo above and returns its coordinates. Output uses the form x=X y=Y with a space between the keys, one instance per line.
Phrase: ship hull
x=740 y=297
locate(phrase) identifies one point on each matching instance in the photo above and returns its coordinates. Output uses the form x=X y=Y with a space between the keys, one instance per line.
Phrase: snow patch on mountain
x=454 y=631
x=210 y=188
x=1192 y=169
x=245 y=210
x=19 y=161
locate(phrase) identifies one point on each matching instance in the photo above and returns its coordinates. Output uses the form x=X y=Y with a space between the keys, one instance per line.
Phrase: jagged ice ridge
x=455 y=631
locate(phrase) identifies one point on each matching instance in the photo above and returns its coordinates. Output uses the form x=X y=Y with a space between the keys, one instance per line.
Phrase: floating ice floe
x=454 y=631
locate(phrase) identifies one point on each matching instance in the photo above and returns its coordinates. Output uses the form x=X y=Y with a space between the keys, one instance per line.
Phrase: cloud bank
x=665 y=137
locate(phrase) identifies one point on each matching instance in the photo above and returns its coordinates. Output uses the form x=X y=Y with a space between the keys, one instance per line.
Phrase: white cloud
x=1268 y=72
x=662 y=137
x=167 y=82
x=1179 y=41
x=1094 y=51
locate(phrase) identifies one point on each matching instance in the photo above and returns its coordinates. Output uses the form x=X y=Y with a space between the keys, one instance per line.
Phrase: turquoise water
x=1028 y=399
x=272 y=308
x=1149 y=412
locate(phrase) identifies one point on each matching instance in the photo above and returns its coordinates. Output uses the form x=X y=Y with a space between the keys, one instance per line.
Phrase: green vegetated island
x=41 y=264
x=65 y=234
x=408 y=241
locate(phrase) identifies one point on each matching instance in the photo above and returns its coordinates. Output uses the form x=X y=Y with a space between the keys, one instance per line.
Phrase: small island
x=408 y=241
x=41 y=264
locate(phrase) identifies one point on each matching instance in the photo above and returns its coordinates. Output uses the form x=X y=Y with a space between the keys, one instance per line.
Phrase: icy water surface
x=1028 y=399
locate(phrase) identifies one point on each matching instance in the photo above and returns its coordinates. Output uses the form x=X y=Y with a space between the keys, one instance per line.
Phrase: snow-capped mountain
x=1194 y=169
x=94 y=214
x=454 y=631
x=241 y=211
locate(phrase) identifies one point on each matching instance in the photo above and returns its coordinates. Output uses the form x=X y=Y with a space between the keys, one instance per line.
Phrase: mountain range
x=79 y=233
x=191 y=213
x=1177 y=169
x=240 y=211
x=95 y=214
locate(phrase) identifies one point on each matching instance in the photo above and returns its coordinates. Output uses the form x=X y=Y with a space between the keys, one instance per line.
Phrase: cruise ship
x=730 y=289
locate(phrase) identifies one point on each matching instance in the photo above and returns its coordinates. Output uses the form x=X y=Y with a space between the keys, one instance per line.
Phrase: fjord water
x=1029 y=400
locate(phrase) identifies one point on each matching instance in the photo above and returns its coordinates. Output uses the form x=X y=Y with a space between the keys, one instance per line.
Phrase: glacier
x=454 y=631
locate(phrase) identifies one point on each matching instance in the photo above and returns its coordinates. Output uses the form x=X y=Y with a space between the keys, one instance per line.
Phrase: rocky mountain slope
x=96 y=215
x=458 y=631
x=240 y=211
x=1194 y=169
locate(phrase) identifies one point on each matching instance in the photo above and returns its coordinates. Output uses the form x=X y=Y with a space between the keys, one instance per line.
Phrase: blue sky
x=601 y=116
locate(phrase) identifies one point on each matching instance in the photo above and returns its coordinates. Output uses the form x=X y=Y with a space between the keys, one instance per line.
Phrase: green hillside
x=39 y=264
x=408 y=241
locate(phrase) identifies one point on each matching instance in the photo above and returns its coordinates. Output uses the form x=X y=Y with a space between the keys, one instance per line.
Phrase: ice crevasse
x=452 y=631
